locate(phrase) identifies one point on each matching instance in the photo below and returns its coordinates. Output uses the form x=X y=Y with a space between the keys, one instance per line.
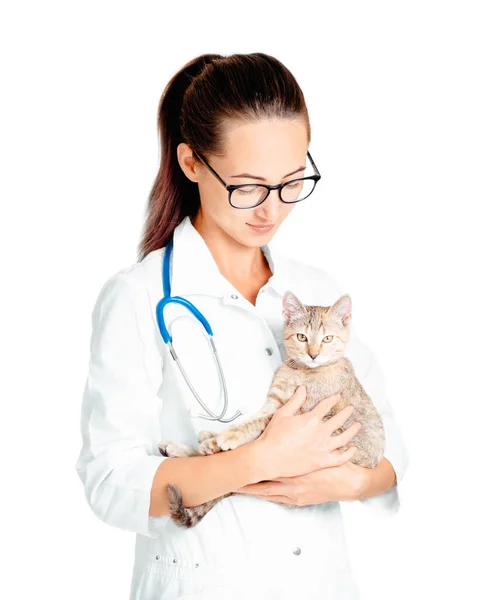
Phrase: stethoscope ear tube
x=167 y=338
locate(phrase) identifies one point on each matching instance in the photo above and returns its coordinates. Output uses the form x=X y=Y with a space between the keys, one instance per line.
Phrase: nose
x=314 y=356
x=271 y=206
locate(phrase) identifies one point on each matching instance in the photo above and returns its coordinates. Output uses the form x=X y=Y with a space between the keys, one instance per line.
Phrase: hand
x=344 y=482
x=294 y=444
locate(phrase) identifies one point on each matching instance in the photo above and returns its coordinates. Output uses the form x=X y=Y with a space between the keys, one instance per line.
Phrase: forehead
x=269 y=147
x=313 y=317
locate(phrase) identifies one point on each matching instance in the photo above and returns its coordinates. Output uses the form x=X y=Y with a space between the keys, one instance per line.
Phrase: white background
x=395 y=92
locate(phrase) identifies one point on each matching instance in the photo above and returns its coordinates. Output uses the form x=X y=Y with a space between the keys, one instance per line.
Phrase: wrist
x=364 y=483
x=262 y=468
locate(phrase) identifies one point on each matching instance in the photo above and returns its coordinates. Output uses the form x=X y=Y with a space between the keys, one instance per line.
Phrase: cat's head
x=315 y=335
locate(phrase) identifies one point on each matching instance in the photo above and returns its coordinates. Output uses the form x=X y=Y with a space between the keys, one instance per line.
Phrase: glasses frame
x=279 y=187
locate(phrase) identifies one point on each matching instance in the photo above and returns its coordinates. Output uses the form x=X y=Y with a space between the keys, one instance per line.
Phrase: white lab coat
x=135 y=396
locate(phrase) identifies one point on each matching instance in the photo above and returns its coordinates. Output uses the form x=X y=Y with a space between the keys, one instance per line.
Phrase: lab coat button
x=196 y=565
x=297 y=551
x=174 y=560
x=234 y=296
x=269 y=351
x=157 y=557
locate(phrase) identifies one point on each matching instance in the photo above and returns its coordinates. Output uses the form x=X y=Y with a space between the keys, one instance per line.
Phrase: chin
x=322 y=362
x=311 y=364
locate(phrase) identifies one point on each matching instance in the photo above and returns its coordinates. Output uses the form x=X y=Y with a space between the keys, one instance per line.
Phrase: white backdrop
x=395 y=92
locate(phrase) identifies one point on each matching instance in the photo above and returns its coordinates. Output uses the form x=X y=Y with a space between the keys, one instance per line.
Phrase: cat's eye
x=301 y=337
x=328 y=338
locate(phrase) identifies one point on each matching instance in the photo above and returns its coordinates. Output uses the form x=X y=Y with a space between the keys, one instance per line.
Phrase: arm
x=123 y=474
x=120 y=412
x=380 y=494
x=381 y=491
x=202 y=478
x=378 y=480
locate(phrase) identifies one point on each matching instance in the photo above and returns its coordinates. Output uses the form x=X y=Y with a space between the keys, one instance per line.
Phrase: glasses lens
x=248 y=195
x=297 y=190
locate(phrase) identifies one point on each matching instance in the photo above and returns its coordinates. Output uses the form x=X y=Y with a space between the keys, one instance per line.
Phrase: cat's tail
x=188 y=516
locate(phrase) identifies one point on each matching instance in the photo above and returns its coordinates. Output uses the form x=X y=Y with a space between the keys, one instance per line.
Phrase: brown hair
x=194 y=105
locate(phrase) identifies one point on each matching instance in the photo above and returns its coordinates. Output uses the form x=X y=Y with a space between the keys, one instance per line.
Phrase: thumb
x=294 y=403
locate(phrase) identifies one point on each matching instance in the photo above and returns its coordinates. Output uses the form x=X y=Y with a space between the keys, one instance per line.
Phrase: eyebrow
x=249 y=176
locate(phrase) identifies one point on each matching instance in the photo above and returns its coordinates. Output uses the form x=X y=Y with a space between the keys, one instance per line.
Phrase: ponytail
x=206 y=91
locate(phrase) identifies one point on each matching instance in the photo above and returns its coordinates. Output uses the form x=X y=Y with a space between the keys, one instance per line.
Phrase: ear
x=341 y=311
x=292 y=307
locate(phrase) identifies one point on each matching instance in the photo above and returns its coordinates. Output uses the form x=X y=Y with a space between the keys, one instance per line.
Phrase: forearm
x=202 y=478
x=379 y=479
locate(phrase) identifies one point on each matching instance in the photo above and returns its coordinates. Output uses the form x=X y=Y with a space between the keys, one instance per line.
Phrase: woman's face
x=270 y=149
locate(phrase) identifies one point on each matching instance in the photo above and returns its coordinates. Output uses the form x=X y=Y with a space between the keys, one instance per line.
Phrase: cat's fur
x=315 y=338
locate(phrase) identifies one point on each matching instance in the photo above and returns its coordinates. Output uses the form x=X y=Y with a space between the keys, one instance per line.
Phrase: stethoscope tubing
x=167 y=338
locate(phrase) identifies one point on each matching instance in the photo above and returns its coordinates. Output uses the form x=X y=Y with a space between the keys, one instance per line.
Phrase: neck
x=235 y=261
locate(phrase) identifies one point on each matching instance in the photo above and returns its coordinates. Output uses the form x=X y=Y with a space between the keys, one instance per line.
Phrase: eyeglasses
x=249 y=195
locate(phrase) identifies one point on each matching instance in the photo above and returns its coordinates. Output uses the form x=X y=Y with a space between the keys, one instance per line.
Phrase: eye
x=301 y=337
x=328 y=338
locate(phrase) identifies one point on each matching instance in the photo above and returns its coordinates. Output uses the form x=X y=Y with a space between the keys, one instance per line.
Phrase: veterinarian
x=239 y=120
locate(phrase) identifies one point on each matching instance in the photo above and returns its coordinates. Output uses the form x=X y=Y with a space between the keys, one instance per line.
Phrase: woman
x=224 y=121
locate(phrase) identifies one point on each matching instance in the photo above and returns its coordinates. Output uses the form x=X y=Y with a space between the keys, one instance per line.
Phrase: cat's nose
x=314 y=356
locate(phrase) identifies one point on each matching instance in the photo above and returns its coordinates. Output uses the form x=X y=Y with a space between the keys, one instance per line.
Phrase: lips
x=262 y=228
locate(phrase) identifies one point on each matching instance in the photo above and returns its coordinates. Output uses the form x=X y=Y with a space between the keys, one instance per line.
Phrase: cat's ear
x=341 y=310
x=292 y=307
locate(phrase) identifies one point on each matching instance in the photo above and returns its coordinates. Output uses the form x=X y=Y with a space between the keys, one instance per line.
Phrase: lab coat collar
x=194 y=270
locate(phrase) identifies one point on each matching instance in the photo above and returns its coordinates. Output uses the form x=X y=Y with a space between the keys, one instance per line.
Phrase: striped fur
x=315 y=338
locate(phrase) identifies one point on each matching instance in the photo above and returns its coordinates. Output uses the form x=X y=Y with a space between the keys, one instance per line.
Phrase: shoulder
x=312 y=284
x=139 y=275
x=131 y=285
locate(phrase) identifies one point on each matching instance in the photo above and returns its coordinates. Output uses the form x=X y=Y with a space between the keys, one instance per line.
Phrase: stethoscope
x=167 y=338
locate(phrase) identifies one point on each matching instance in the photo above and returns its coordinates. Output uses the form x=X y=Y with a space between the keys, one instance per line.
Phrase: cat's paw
x=209 y=446
x=205 y=435
x=164 y=448
x=174 y=450
x=230 y=439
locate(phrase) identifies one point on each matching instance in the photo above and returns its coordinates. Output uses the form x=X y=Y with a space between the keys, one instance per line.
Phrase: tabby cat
x=315 y=338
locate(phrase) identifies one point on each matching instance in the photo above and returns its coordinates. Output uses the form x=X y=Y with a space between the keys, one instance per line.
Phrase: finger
x=342 y=457
x=345 y=437
x=283 y=499
x=254 y=488
x=268 y=488
x=294 y=403
x=249 y=489
x=324 y=406
x=339 y=419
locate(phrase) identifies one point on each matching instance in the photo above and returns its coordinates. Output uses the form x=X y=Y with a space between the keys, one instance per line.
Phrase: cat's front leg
x=248 y=431
x=242 y=433
x=174 y=450
x=205 y=435
x=209 y=446
x=237 y=435
x=207 y=442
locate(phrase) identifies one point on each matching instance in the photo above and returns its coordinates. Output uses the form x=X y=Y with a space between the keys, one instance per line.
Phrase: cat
x=315 y=338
